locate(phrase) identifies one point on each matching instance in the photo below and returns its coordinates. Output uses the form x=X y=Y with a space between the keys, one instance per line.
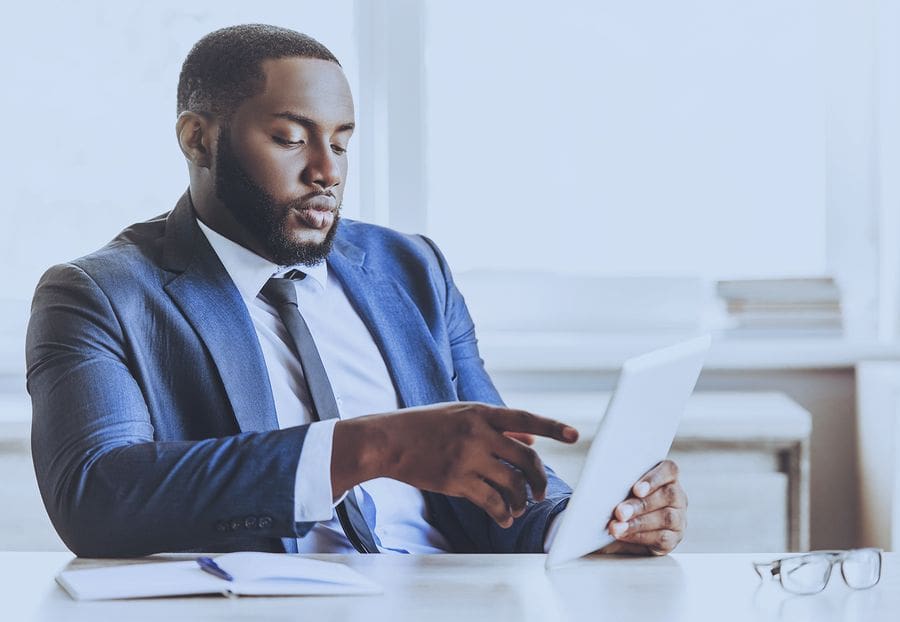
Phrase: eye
x=338 y=149
x=286 y=142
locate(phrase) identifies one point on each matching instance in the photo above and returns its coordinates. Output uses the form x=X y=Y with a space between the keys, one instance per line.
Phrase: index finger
x=512 y=420
x=663 y=473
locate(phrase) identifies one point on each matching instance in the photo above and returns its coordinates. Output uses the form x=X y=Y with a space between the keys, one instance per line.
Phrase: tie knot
x=294 y=275
x=280 y=292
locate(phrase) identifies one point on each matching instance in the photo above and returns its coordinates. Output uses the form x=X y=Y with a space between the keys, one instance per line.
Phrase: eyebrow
x=307 y=122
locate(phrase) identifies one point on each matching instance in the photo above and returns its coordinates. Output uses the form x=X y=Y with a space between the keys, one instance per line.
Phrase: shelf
x=545 y=351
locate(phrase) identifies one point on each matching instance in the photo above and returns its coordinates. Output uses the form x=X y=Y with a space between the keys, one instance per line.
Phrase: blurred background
x=603 y=177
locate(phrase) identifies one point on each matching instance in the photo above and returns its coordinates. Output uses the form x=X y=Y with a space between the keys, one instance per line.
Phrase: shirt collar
x=248 y=270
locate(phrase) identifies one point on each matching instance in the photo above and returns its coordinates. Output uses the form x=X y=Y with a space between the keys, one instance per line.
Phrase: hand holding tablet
x=632 y=439
x=652 y=519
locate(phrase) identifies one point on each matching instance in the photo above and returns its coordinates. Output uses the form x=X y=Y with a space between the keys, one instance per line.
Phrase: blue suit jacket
x=154 y=427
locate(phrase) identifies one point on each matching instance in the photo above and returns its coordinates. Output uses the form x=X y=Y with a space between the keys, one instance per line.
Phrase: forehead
x=310 y=87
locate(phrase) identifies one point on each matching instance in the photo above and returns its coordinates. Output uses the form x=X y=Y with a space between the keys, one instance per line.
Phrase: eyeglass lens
x=805 y=575
x=808 y=574
x=861 y=568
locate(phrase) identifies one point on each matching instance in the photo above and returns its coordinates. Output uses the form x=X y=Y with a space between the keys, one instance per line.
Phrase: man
x=247 y=372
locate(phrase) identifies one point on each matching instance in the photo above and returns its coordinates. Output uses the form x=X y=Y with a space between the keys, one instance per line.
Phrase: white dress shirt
x=361 y=384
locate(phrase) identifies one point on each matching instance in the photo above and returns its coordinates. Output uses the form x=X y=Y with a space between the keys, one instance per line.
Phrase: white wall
x=699 y=138
x=89 y=117
x=619 y=137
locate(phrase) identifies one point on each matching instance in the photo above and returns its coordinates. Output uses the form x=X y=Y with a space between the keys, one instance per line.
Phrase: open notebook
x=255 y=574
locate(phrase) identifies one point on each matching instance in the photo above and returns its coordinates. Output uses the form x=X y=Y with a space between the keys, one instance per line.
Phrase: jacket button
x=250 y=522
x=236 y=524
x=265 y=522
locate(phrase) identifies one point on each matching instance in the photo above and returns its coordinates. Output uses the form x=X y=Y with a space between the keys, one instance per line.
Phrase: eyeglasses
x=809 y=573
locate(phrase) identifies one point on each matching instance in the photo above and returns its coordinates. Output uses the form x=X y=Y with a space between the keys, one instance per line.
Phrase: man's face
x=281 y=159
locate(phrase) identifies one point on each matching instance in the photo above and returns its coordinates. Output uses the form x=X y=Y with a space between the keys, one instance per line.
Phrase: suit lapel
x=212 y=304
x=397 y=326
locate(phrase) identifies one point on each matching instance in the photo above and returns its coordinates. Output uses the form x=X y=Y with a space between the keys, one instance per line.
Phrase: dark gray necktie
x=281 y=294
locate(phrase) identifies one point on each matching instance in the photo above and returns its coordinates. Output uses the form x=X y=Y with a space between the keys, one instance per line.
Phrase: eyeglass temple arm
x=773 y=567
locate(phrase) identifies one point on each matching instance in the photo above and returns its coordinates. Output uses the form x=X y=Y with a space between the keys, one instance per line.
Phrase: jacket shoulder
x=134 y=255
x=388 y=248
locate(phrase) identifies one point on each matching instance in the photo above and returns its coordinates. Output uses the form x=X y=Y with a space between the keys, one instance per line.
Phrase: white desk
x=689 y=587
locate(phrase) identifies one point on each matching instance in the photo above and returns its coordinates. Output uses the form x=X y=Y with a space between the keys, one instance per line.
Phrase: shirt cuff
x=551 y=531
x=312 y=482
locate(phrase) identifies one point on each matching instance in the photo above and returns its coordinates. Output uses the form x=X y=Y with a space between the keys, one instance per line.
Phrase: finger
x=658 y=542
x=511 y=484
x=528 y=439
x=488 y=499
x=511 y=420
x=671 y=495
x=527 y=461
x=663 y=473
x=672 y=519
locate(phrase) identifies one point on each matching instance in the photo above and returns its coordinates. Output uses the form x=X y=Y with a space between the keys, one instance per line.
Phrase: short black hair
x=225 y=67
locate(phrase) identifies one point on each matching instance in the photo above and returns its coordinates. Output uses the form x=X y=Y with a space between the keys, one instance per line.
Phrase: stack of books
x=803 y=307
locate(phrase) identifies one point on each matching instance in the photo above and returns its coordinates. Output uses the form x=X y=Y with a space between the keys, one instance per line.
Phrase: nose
x=322 y=169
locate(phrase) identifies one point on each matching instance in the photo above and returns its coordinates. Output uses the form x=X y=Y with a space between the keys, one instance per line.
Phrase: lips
x=316 y=212
x=315 y=218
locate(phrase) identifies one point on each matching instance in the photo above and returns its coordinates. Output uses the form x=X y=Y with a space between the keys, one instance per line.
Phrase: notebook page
x=256 y=574
x=250 y=566
x=139 y=581
x=259 y=574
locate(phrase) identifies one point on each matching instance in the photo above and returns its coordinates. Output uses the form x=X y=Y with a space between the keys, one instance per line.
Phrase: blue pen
x=208 y=565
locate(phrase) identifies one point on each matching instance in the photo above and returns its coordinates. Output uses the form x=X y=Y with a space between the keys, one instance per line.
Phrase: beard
x=262 y=215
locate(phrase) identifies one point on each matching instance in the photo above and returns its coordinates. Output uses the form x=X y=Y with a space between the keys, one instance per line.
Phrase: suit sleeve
x=473 y=383
x=110 y=489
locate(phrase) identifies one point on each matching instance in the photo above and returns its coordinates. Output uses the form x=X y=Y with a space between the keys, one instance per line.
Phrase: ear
x=196 y=137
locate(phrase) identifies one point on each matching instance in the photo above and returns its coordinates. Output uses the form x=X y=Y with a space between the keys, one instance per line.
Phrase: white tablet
x=634 y=435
